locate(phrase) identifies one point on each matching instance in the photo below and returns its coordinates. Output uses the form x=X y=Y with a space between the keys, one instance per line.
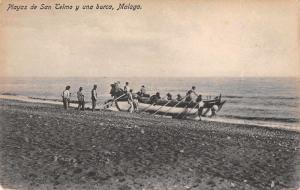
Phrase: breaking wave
x=262 y=97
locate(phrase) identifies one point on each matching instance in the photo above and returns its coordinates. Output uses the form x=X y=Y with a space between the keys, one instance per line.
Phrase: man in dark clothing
x=191 y=95
x=80 y=98
x=126 y=87
x=66 y=95
x=155 y=98
x=94 y=97
x=130 y=101
x=188 y=97
x=200 y=106
x=179 y=98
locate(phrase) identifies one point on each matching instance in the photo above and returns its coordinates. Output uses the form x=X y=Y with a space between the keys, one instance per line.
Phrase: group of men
x=191 y=95
x=129 y=92
x=66 y=97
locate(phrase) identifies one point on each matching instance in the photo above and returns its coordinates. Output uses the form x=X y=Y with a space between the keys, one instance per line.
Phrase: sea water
x=267 y=101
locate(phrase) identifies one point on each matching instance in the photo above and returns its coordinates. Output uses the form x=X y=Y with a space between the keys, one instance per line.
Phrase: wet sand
x=46 y=147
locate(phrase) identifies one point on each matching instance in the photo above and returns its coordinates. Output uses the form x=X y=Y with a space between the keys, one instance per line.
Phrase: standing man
x=143 y=91
x=130 y=101
x=66 y=97
x=94 y=97
x=126 y=87
x=193 y=92
x=191 y=95
x=80 y=98
x=200 y=107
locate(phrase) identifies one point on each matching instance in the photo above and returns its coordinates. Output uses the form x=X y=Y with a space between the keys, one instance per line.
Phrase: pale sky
x=191 y=38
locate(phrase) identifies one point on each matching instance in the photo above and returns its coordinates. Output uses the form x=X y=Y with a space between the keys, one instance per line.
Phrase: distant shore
x=46 y=147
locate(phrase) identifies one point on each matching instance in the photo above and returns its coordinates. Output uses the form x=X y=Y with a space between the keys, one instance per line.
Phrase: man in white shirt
x=143 y=91
x=193 y=93
x=66 y=97
x=94 y=97
x=126 y=87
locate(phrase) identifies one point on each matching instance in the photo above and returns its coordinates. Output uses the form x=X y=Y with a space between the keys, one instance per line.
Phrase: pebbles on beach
x=44 y=147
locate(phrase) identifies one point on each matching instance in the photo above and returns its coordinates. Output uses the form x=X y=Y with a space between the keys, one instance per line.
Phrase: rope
x=113 y=100
x=175 y=105
x=185 y=108
x=150 y=106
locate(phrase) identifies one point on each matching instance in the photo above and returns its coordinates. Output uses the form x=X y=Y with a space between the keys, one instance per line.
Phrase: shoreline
x=46 y=147
x=278 y=125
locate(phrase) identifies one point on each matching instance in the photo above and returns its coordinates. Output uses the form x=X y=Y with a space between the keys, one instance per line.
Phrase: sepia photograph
x=149 y=95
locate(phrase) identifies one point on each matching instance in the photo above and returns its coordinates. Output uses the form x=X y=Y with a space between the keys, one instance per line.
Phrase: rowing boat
x=172 y=108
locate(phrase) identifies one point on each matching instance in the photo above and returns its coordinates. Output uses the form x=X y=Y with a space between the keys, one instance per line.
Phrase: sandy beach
x=46 y=147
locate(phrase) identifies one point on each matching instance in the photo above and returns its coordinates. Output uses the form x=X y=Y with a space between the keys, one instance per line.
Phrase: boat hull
x=164 y=110
x=168 y=108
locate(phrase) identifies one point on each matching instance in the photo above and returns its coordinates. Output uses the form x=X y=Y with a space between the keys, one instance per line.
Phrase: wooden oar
x=149 y=106
x=194 y=107
x=184 y=108
x=161 y=107
x=114 y=100
x=175 y=105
